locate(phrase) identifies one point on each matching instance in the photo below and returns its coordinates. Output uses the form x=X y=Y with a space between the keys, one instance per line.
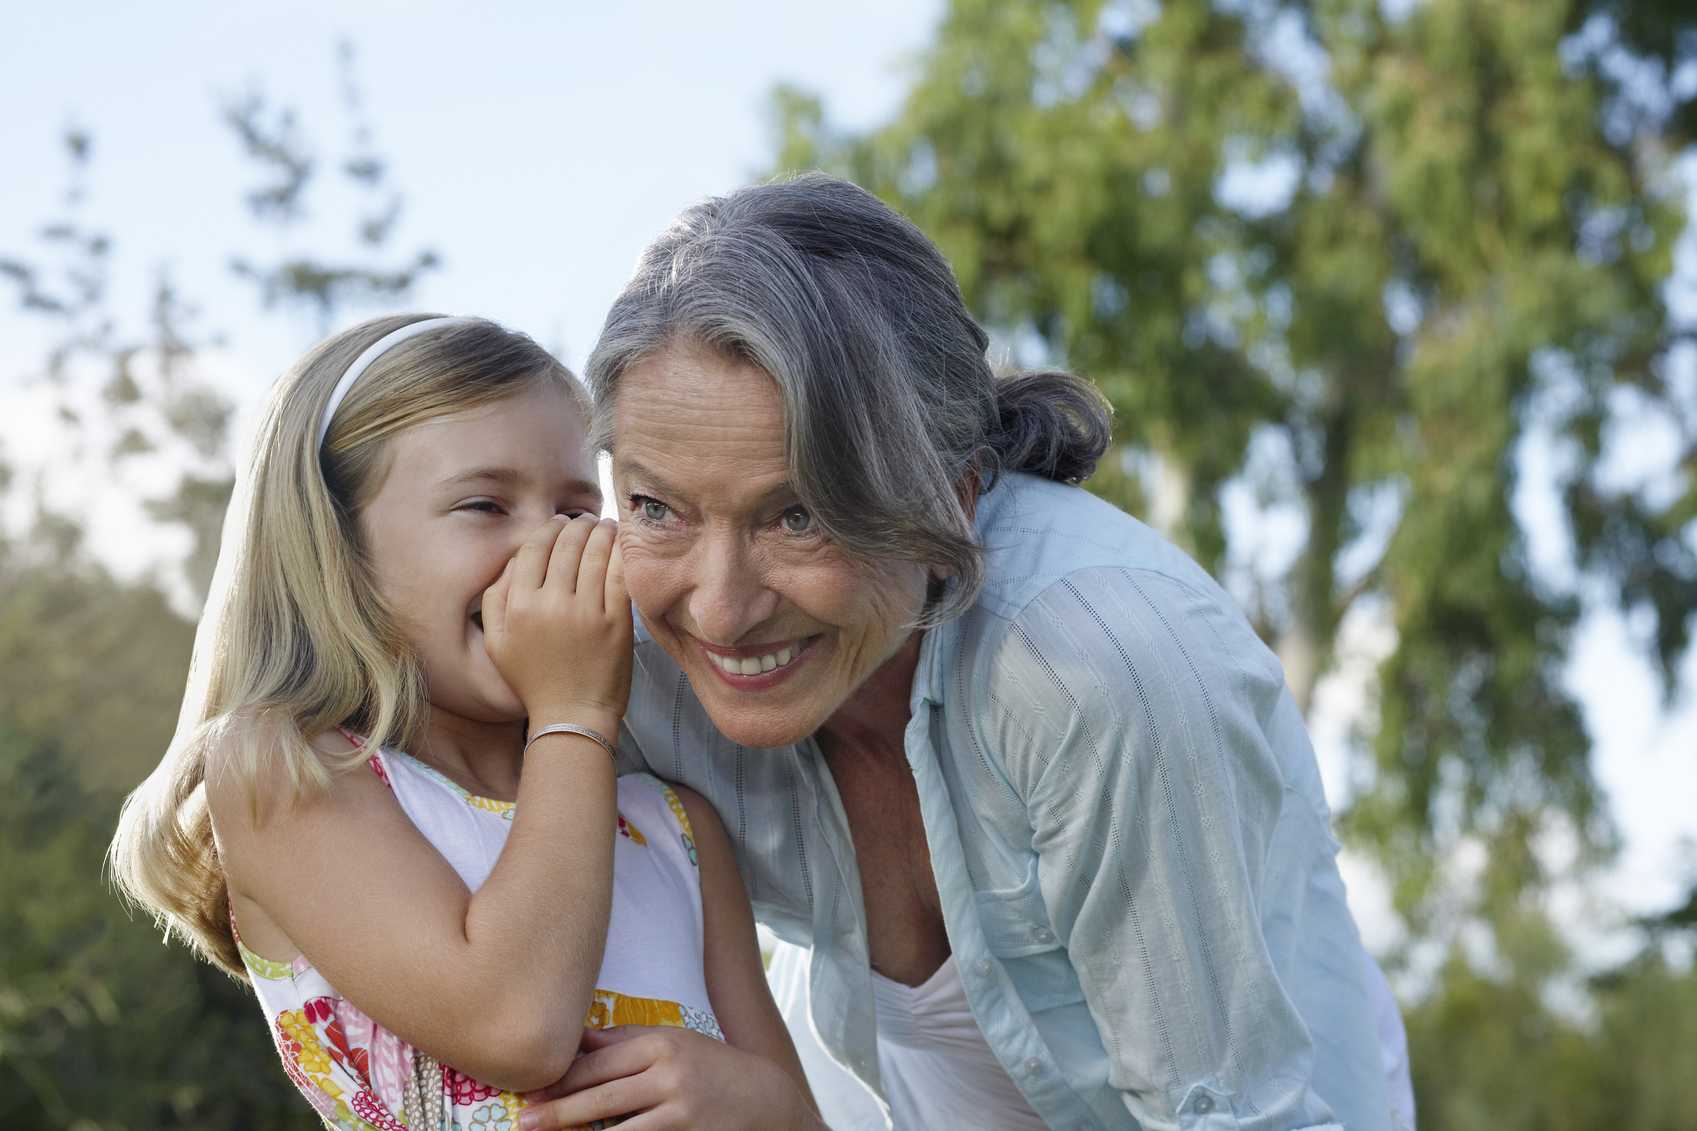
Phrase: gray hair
x=890 y=404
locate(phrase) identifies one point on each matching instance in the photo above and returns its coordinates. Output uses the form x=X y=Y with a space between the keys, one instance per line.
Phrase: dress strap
x=673 y=803
x=374 y=761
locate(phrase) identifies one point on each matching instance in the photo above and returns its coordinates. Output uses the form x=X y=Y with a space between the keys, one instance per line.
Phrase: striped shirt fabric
x=1127 y=828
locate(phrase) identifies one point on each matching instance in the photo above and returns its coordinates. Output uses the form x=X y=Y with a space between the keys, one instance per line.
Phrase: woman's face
x=774 y=625
x=461 y=494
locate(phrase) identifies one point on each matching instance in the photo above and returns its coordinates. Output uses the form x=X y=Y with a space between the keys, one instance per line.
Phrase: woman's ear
x=967 y=488
x=966 y=493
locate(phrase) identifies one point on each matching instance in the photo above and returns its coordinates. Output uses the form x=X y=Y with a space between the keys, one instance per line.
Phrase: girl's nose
x=730 y=595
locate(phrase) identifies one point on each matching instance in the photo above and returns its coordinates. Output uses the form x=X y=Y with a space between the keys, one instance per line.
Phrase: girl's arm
x=495 y=983
x=676 y=1079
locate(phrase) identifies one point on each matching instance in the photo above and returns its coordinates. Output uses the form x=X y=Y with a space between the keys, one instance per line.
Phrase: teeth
x=754 y=665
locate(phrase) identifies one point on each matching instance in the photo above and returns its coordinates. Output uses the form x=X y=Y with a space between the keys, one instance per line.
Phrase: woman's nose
x=730 y=595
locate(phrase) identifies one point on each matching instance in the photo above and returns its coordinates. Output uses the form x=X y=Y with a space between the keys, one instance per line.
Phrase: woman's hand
x=669 y=1079
x=557 y=624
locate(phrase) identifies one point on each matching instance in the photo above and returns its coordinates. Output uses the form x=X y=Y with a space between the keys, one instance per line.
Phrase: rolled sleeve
x=1131 y=713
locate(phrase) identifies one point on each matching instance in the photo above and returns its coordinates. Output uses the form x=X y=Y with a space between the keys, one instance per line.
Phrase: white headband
x=363 y=361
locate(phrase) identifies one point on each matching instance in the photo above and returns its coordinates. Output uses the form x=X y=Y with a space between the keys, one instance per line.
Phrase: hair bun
x=1050 y=423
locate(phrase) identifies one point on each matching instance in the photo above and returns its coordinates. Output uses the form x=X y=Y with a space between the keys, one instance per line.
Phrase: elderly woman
x=1013 y=768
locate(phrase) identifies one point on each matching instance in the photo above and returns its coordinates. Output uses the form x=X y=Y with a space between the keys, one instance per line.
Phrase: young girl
x=412 y=563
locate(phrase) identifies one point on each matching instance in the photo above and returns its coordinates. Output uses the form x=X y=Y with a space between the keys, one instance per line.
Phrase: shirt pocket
x=1016 y=928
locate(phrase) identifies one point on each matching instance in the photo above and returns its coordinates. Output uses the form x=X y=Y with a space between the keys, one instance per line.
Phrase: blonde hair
x=295 y=638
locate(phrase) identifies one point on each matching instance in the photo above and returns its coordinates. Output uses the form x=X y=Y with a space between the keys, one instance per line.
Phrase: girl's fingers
x=608 y=1056
x=564 y=563
x=617 y=596
x=597 y=552
x=594 y=1039
x=531 y=563
x=605 y=1082
x=589 y=1106
x=495 y=602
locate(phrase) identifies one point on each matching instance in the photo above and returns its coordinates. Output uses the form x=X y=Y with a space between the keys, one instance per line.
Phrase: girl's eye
x=796 y=520
x=483 y=506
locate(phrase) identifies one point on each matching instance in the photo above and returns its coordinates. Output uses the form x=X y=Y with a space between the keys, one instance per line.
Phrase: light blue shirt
x=1127 y=828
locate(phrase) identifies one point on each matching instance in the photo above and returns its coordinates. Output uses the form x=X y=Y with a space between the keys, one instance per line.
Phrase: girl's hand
x=557 y=624
x=669 y=1079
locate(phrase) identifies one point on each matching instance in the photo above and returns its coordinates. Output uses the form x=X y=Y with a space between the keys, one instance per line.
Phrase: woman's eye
x=655 y=511
x=796 y=520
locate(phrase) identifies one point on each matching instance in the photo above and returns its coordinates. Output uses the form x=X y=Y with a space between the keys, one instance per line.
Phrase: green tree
x=1489 y=1054
x=102 y=1025
x=1346 y=263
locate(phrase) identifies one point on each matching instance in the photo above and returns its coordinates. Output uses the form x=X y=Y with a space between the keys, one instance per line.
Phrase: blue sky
x=539 y=147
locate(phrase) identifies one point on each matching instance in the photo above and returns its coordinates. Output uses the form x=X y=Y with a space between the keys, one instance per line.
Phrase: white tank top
x=938 y=1070
x=358 y=1075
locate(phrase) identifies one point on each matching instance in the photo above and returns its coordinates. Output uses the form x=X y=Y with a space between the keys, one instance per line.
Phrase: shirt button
x=1033 y=1066
x=982 y=967
x=1045 y=935
x=1204 y=1105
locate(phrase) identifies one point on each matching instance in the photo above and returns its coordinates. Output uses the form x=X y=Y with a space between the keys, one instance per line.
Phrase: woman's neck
x=872 y=722
x=482 y=757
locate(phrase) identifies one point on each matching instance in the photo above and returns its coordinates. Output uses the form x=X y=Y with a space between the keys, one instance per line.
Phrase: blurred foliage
x=89 y=668
x=1345 y=263
x=103 y=1025
x=100 y=1024
x=1488 y=1054
x=271 y=139
x=151 y=396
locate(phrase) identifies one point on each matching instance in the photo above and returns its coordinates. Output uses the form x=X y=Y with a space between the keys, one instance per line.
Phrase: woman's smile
x=742 y=666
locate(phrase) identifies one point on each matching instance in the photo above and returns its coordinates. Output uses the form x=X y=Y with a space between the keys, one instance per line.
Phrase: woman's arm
x=677 y=1079
x=495 y=983
x=1141 y=725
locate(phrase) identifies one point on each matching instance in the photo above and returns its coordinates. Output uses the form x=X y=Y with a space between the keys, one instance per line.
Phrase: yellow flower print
x=609 y=1008
x=296 y=1025
x=315 y=1062
x=312 y=1058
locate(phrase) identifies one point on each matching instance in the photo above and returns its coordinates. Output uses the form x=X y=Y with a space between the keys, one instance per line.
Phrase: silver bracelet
x=573 y=728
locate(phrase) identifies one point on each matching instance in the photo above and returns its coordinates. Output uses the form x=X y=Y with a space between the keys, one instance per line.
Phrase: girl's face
x=461 y=494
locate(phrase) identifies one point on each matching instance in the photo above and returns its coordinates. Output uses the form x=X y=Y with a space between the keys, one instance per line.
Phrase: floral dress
x=359 y=1076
